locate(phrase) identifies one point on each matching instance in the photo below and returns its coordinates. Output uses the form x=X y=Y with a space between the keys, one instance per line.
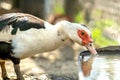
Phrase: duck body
x=27 y=41
x=38 y=41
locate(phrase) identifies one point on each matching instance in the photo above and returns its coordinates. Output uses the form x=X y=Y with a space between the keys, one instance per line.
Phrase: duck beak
x=91 y=48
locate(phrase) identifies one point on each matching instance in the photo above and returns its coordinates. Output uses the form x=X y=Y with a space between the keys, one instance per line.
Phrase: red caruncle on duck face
x=87 y=41
x=86 y=38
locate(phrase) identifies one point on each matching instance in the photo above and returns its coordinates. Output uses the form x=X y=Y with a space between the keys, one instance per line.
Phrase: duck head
x=80 y=34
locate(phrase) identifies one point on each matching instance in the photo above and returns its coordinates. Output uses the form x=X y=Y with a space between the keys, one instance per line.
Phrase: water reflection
x=85 y=66
x=102 y=67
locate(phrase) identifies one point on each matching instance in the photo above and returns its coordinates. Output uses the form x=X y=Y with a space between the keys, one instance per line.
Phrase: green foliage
x=103 y=23
x=80 y=17
x=59 y=9
x=98 y=28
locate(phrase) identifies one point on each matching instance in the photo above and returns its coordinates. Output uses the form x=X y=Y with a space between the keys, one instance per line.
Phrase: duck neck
x=61 y=32
x=54 y=36
x=63 y=29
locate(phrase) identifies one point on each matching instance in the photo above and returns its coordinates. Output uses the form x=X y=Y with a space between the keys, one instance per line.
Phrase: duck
x=24 y=35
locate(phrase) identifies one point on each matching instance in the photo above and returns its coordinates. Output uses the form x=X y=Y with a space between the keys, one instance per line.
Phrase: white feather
x=34 y=41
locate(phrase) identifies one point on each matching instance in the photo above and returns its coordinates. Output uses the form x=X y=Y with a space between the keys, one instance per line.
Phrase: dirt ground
x=60 y=64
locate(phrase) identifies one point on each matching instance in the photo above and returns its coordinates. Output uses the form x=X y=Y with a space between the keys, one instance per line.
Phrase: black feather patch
x=84 y=26
x=19 y=21
x=5 y=50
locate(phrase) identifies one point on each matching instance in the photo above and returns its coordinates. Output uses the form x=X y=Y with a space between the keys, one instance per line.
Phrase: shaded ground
x=43 y=69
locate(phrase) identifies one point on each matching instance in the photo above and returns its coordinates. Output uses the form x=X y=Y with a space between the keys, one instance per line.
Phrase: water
x=102 y=67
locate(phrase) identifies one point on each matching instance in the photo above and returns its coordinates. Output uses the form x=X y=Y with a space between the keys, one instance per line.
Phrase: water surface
x=102 y=67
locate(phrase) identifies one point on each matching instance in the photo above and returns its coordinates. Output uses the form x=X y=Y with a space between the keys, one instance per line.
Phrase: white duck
x=28 y=35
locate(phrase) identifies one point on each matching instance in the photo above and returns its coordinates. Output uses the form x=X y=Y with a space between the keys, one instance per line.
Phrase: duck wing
x=14 y=21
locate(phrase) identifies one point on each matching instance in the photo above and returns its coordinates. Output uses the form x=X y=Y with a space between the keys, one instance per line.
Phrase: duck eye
x=82 y=33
